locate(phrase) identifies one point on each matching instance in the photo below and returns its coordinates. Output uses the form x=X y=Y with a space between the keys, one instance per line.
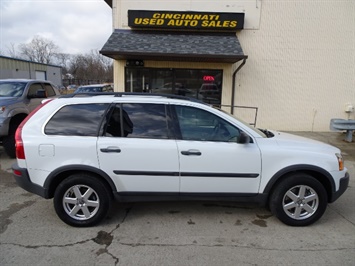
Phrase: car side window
x=77 y=120
x=49 y=90
x=34 y=88
x=200 y=125
x=138 y=120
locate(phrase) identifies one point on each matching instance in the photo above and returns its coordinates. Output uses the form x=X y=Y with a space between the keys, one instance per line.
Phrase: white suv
x=83 y=151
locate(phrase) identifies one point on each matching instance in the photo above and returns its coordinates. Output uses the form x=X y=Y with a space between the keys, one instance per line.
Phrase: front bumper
x=343 y=185
x=23 y=180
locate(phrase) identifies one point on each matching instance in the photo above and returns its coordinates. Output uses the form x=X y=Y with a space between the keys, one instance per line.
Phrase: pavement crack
x=47 y=246
x=102 y=238
x=126 y=214
x=194 y=244
x=117 y=260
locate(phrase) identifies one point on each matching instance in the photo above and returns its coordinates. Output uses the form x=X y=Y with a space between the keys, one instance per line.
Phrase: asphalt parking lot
x=175 y=233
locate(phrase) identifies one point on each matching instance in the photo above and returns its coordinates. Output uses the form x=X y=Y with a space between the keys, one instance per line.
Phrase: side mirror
x=243 y=138
x=41 y=94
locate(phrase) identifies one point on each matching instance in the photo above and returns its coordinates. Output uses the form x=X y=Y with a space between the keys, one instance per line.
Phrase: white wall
x=301 y=66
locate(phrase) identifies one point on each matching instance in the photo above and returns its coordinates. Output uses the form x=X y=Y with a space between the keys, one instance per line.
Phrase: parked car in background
x=85 y=151
x=177 y=89
x=18 y=97
x=62 y=89
x=210 y=93
x=94 y=88
x=72 y=87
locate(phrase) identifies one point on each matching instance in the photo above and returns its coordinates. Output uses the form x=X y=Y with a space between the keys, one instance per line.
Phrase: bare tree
x=39 y=50
x=11 y=50
x=63 y=60
x=91 y=66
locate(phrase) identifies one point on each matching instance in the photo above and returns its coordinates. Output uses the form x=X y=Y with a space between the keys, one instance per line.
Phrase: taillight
x=20 y=150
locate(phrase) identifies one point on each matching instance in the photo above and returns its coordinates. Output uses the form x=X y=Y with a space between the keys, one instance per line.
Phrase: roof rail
x=121 y=94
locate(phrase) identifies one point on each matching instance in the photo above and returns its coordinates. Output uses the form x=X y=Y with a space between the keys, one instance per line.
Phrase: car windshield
x=245 y=123
x=11 y=89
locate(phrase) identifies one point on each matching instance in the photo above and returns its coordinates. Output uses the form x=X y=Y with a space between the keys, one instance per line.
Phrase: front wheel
x=82 y=200
x=298 y=200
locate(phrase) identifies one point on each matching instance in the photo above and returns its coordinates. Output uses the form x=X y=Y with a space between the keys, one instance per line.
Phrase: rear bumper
x=343 y=185
x=23 y=180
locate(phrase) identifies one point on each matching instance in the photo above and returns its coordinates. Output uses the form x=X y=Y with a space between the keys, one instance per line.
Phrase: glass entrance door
x=162 y=81
x=137 y=80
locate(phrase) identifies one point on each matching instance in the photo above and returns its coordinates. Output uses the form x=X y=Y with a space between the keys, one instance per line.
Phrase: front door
x=211 y=161
x=32 y=95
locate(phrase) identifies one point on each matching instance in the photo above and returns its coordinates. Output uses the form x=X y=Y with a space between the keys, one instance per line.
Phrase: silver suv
x=84 y=151
x=18 y=97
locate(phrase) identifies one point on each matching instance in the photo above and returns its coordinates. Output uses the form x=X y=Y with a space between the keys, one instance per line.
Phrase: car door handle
x=191 y=152
x=111 y=150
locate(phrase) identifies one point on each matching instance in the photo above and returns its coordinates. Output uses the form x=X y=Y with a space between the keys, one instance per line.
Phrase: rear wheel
x=298 y=200
x=82 y=200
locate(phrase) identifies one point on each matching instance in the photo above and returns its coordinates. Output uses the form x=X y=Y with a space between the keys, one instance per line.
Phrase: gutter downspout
x=233 y=83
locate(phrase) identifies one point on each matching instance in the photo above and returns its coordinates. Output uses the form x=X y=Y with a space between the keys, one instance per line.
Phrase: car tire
x=8 y=142
x=298 y=200
x=82 y=200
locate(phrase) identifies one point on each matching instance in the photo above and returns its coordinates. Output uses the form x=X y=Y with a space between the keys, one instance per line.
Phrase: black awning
x=173 y=46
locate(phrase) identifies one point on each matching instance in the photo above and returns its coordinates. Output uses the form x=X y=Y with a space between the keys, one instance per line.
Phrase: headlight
x=340 y=161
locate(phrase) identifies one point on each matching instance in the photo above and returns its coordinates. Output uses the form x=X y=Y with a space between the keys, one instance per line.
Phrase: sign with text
x=208 y=21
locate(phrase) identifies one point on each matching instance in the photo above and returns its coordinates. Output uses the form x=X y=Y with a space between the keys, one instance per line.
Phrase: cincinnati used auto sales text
x=186 y=20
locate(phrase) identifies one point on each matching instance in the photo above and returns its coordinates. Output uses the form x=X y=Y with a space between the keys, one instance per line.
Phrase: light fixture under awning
x=173 y=46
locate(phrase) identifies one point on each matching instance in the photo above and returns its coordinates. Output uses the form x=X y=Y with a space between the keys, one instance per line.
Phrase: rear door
x=211 y=161
x=137 y=151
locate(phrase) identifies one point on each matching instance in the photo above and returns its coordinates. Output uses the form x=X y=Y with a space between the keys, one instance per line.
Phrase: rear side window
x=138 y=120
x=77 y=120
x=49 y=90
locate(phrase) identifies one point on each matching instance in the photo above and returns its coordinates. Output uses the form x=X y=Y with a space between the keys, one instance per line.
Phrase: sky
x=75 y=26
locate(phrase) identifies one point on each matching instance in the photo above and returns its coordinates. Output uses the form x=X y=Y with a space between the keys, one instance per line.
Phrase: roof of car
x=94 y=85
x=132 y=95
x=110 y=97
x=25 y=80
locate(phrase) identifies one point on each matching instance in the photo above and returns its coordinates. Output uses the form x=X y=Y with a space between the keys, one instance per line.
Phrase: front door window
x=209 y=155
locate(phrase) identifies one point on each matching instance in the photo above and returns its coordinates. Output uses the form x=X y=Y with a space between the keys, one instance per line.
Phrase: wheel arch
x=323 y=176
x=58 y=175
x=17 y=119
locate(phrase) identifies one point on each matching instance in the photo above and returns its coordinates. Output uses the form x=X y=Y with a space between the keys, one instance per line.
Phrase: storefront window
x=205 y=85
